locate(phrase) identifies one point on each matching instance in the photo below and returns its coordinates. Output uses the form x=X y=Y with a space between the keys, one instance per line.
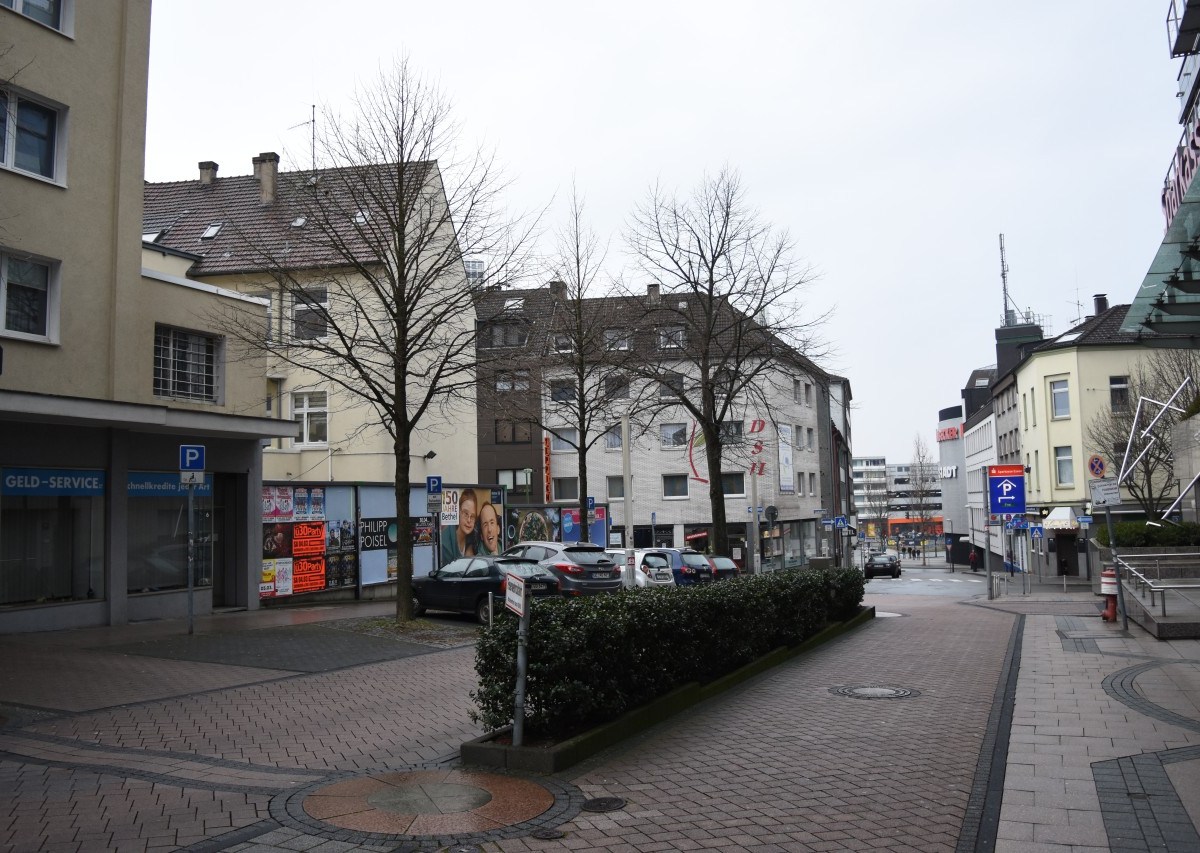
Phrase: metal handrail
x=1144 y=584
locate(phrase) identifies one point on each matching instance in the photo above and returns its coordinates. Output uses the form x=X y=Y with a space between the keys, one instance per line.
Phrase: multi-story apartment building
x=108 y=366
x=869 y=474
x=308 y=245
x=914 y=499
x=777 y=436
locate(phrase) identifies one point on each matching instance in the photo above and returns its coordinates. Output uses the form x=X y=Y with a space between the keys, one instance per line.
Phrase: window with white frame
x=185 y=364
x=1118 y=393
x=797 y=391
x=616 y=487
x=48 y=12
x=617 y=339
x=612 y=438
x=675 y=486
x=673 y=435
x=29 y=135
x=310 y=311
x=310 y=409
x=562 y=391
x=566 y=488
x=516 y=480
x=616 y=387
x=1060 y=400
x=564 y=439
x=29 y=297
x=1064 y=468
x=672 y=337
x=733 y=484
x=812 y=483
x=671 y=385
x=515 y=380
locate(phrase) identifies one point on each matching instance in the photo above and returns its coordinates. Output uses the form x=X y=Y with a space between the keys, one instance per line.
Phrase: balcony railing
x=1183 y=26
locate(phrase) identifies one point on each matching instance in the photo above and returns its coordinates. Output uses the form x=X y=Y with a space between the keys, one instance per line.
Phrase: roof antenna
x=312 y=122
x=1010 y=318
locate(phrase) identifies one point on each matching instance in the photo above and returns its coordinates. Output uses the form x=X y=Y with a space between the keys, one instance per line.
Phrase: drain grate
x=870 y=691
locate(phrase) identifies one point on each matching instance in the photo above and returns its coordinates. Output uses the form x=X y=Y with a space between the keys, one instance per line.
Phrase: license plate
x=537 y=586
x=601 y=574
x=663 y=576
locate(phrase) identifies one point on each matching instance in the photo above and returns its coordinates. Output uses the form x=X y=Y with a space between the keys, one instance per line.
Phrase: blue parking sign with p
x=191 y=457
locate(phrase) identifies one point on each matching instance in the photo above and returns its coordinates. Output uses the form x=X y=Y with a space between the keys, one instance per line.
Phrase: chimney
x=266 y=169
x=558 y=289
x=208 y=173
x=652 y=293
x=1101 y=303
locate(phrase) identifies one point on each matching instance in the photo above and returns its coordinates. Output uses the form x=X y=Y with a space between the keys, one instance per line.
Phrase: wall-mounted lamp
x=430 y=454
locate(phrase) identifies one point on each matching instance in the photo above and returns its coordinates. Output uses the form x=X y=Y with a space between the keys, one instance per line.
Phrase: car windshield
x=695 y=560
x=724 y=563
x=587 y=556
x=655 y=561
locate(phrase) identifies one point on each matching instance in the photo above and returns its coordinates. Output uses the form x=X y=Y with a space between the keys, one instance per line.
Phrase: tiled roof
x=252 y=232
x=1103 y=329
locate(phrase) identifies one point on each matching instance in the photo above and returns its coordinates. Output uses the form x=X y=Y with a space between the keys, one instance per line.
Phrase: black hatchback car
x=882 y=564
x=581 y=569
x=463 y=585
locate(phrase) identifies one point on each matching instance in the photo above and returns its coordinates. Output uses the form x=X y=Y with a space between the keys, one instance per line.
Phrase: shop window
x=157 y=533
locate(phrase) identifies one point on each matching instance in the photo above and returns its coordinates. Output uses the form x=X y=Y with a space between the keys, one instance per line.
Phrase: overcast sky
x=893 y=141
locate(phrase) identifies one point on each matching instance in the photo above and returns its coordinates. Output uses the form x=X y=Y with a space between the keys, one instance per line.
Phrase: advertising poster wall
x=472 y=521
x=302 y=550
x=553 y=524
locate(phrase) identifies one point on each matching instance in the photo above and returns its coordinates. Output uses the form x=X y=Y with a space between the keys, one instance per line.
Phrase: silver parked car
x=651 y=568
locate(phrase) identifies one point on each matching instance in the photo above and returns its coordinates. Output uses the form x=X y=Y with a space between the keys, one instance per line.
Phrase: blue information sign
x=191 y=457
x=433 y=485
x=1006 y=489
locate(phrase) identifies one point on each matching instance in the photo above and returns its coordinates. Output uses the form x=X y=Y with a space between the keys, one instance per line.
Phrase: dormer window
x=512 y=306
x=360 y=218
x=299 y=221
x=212 y=231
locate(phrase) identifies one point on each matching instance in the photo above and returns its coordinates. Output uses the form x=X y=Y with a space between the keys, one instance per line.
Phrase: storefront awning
x=1061 y=518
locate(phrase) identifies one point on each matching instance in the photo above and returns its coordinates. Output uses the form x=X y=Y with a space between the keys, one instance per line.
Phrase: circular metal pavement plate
x=874 y=692
x=547 y=834
x=603 y=804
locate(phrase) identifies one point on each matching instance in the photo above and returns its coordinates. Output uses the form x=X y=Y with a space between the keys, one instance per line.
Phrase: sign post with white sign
x=1106 y=492
x=517 y=600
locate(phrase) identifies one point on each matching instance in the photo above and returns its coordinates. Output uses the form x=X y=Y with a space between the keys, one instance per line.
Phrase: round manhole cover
x=870 y=691
x=548 y=834
x=603 y=804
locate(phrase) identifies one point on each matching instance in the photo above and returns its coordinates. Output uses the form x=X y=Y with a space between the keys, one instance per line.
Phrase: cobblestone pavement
x=1023 y=725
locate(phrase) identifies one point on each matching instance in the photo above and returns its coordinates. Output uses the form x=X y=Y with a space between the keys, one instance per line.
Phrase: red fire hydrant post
x=1108 y=588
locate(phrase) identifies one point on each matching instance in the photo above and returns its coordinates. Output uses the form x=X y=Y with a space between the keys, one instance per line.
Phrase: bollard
x=1108 y=588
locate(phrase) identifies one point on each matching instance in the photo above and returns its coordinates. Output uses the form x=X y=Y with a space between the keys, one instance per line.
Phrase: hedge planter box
x=495 y=749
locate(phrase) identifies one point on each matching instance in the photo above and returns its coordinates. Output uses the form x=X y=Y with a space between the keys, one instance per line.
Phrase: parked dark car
x=581 y=569
x=882 y=564
x=463 y=585
x=724 y=568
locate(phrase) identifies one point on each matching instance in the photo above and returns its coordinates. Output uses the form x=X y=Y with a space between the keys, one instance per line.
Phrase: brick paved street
x=1087 y=739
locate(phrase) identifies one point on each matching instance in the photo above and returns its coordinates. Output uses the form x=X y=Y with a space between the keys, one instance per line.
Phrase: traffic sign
x=827 y=523
x=433 y=485
x=751 y=509
x=191 y=457
x=514 y=594
x=1096 y=466
x=1084 y=520
x=862 y=534
x=1036 y=531
x=591 y=503
x=1106 y=492
x=840 y=522
x=191 y=478
x=1006 y=489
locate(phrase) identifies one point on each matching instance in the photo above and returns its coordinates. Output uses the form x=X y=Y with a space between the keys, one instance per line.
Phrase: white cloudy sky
x=893 y=140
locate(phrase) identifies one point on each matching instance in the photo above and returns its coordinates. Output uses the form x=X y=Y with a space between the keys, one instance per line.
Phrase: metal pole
x=522 y=667
x=627 y=475
x=754 y=567
x=1112 y=546
x=191 y=554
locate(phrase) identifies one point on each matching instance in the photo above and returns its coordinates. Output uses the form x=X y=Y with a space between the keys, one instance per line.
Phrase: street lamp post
x=950 y=543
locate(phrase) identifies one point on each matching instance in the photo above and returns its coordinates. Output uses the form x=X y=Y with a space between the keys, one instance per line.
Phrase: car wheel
x=418 y=607
x=481 y=610
x=866 y=575
x=896 y=574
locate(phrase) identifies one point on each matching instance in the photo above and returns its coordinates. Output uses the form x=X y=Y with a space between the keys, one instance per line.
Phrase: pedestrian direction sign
x=1037 y=531
x=1084 y=520
x=840 y=522
x=1006 y=489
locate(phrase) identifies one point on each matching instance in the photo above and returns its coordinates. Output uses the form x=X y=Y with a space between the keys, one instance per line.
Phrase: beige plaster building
x=108 y=367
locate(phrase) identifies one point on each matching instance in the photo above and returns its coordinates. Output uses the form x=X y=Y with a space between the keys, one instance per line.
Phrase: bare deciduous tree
x=390 y=210
x=1152 y=481
x=921 y=488
x=728 y=313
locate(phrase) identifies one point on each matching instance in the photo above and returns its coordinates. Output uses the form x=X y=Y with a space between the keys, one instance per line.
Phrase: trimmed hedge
x=1138 y=534
x=592 y=659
